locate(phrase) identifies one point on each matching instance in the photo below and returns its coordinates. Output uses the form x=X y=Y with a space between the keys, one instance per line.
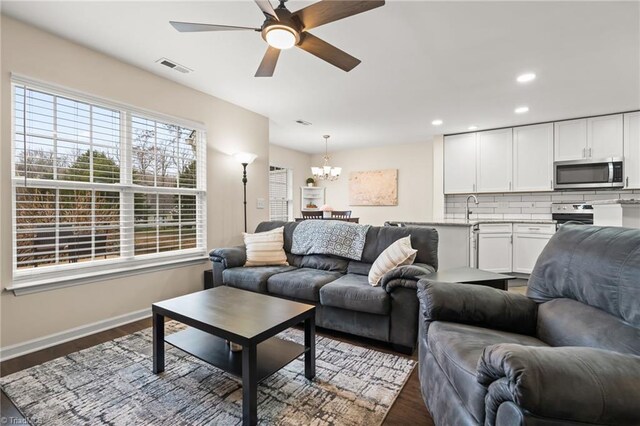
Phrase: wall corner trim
x=44 y=342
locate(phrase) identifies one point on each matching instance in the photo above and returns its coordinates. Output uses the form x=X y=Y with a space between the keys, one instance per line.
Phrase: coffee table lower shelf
x=273 y=354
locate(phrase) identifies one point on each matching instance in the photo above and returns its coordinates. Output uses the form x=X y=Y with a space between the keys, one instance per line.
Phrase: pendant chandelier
x=326 y=172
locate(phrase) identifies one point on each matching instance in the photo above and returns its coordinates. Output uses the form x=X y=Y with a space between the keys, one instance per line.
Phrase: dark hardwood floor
x=408 y=408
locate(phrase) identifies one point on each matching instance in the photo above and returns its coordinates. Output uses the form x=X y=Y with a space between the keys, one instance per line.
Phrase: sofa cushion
x=423 y=239
x=457 y=349
x=397 y=254
x=353 y=292
x=325 y=262
x=265 y=248
x=566 y=322
x=359 y=268
x=302 y=284
x=252 y=278
x=595 y=265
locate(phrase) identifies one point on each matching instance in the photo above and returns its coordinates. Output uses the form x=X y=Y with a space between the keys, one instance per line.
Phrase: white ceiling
x=456 y=61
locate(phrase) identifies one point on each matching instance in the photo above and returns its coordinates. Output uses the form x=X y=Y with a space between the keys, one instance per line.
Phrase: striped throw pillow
x=397 y=254
x=265 y=248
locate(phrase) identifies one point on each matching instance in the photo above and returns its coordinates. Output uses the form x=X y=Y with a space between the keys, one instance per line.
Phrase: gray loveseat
x=339 y=287
x=568 y=354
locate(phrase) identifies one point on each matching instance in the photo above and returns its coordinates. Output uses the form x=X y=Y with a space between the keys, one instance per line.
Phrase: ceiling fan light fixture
x=281 y=37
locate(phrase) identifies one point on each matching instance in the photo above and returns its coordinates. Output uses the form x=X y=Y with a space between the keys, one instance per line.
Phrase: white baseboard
x=40 y=343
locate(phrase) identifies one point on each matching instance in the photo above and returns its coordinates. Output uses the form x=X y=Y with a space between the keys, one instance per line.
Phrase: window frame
x=54 y=276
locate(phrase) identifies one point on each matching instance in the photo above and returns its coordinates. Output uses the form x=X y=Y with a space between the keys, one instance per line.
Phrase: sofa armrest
x=405 y=276
x=577 y=384
x=477 y=305
x=230 y=257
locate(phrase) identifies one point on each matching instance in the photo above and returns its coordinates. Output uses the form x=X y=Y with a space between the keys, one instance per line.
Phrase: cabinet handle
x=551 y=184
x=509 y=186
x=626 y=185
x=589 y=152
x=584 y=150
x=474 y=187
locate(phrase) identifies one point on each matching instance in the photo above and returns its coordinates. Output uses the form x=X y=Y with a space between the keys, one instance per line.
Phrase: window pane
x=164 y=154
x=66 y=226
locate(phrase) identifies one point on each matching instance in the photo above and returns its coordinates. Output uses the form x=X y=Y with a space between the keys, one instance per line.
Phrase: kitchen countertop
x=615 y=201
x=461 y=222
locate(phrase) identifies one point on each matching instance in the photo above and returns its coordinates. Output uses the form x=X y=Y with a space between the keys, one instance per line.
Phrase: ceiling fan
x=283 y=29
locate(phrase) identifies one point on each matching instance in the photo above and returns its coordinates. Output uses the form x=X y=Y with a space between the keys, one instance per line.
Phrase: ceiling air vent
x=304 y=123
x=174 y=65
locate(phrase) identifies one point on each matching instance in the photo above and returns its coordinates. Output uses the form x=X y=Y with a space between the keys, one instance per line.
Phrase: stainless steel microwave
x=605 y=173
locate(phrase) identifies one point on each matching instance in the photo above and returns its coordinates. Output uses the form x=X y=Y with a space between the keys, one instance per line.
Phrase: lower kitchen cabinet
x=503 y=248
x=528 y=242
x=494 y=249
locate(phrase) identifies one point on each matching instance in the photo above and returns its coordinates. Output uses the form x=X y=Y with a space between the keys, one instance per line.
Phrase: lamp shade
x=244 y=157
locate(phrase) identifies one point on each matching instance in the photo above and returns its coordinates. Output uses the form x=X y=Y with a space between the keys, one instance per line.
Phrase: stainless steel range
x=576 y=211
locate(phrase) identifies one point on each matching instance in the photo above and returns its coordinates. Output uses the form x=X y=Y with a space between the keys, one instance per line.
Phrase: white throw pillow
x=265 y=248
x=397 y=254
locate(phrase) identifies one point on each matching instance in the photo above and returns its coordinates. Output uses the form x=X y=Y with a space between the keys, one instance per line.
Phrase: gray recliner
x=568 y=353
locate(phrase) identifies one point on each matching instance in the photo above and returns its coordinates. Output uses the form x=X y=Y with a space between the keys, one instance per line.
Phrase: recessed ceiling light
x=522 y=109
x=473 y=127
x=436 y=122
x=525 y=78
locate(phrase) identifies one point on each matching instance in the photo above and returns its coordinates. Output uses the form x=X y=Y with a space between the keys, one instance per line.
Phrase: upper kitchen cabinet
x=570 y=140
x=589 y=138
x=460 y=164
x=533 y=158
x=494 y=164
x=604 y=137
x=632 y=150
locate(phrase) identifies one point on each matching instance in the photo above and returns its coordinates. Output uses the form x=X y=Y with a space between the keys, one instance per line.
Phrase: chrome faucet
x=475 y=200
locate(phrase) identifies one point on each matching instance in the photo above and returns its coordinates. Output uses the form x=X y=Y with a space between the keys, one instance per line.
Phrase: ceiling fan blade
x=190 y=27
x=326 y=11
x=327 y=52
x=266 y=8
x=268 y=64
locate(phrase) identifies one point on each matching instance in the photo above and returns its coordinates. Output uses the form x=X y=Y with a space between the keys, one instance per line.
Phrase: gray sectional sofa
x=339 y=287
x=568 y=354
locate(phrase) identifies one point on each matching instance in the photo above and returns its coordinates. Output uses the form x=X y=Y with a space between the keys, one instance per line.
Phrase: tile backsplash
x=530 y=205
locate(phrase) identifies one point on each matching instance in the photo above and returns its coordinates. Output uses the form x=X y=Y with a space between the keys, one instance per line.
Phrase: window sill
x=36 y=285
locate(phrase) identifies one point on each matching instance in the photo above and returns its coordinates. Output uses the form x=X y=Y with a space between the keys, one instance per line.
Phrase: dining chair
x=341 y=214
x=311 y=214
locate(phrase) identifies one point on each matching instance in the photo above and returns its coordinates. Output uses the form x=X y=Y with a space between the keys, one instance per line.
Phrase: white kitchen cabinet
x=494 y=160
x=570 y=140
x=460 y=164
x=632 y=150
x=589 y=138
x=494 y=247
x=604 y=137
x=533 y=158
x=528 y=242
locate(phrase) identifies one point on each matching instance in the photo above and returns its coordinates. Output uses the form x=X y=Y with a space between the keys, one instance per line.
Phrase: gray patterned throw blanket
x=333 y=237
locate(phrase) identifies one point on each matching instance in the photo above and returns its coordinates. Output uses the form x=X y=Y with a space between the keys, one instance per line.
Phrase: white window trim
x=29 y=281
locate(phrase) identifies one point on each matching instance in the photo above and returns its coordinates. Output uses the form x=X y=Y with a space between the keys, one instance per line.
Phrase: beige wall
x=40 y=55
x=299 y=162
x=415 y=181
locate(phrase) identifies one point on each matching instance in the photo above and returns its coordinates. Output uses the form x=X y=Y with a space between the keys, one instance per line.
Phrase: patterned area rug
x=112 y=384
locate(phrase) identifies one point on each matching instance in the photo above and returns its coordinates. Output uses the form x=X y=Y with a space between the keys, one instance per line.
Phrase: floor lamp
x=245 y=158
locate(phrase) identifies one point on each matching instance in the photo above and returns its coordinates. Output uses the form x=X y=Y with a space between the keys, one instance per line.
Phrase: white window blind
x=97 y=186
x=279 y=194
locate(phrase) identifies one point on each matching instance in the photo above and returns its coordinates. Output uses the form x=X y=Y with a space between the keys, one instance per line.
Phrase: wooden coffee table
x=249 y=319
